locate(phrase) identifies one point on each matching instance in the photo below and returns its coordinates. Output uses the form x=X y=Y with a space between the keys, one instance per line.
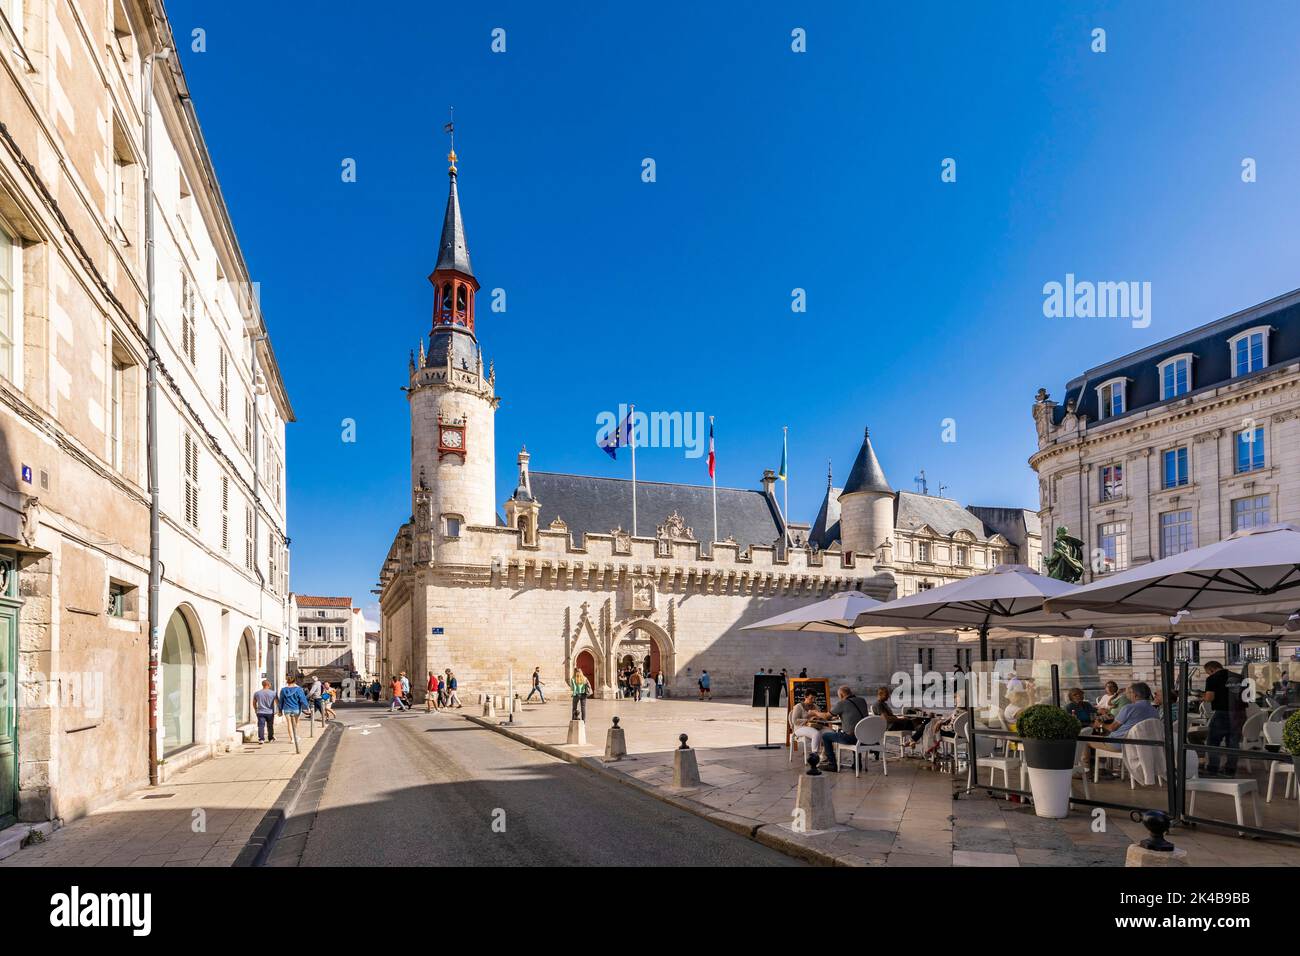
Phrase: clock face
x=452 y=438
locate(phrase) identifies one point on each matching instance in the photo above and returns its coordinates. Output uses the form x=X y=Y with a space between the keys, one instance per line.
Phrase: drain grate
x=157 y=796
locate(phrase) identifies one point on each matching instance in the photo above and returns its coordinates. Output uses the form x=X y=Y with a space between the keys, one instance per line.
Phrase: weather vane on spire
x=450 y=129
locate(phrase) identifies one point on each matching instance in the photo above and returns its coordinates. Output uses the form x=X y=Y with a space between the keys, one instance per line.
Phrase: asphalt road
x=432 y=790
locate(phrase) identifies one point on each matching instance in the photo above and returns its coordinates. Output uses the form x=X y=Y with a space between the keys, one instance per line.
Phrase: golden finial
x=451 y=158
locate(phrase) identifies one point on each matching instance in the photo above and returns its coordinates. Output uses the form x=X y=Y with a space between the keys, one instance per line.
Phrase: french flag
x=712 y=457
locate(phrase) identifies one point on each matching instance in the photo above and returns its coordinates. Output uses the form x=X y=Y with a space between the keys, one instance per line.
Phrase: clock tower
x=453 y=400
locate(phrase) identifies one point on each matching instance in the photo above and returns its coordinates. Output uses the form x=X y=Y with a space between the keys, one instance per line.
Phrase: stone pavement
x=993 y=831
x=156 y=826
x=902 y=819
x=908 y=818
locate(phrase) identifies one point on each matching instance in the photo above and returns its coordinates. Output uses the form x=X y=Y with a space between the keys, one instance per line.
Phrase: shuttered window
x=190 y=468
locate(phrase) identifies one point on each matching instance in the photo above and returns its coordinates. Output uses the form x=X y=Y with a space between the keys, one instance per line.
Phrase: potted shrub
x=1291 y=739
x=1048 y=737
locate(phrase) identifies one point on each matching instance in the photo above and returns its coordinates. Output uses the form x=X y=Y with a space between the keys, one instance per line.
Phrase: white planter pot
x=1051 y=789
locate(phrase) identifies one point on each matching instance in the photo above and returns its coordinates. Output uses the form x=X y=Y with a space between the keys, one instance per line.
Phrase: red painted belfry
x=452 y=277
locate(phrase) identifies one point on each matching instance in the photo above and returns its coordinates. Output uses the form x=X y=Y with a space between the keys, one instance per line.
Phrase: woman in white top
x=1112 y=691
x=801 y=717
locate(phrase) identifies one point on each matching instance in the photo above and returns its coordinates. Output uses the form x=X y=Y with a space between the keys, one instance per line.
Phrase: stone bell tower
x=453 y=399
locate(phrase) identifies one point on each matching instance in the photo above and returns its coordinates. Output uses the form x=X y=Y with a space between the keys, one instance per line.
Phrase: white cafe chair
x=1273 y=737
x=801 y=744
x=1080 y=767
x=870 y=733
x=1251 y=734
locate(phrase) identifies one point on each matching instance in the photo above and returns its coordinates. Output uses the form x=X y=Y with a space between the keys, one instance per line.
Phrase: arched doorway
x=244 y=680
x=587 y=664
x=178 y=683
x=640 y=647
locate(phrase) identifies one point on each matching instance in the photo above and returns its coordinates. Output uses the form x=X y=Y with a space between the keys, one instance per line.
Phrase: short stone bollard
x=686 y=772
x=813 y=809
x=577 y=733
x=489 y=707
x=615 y=742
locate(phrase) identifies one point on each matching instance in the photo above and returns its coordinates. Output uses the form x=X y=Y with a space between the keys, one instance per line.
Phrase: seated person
x=1126 y=718
x=806 y=720
x=913 y=725
x=1158 y=700
x=850 y=708
x=1017 y=700
x=1080 y=707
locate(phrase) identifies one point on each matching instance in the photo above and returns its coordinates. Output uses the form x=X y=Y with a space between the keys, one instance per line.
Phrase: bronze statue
x=1065 y=563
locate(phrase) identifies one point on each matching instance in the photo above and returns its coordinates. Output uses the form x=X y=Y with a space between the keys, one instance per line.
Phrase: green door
x=8 y=710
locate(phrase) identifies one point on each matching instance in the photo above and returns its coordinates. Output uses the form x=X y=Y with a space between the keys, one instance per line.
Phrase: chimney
x=769 y=482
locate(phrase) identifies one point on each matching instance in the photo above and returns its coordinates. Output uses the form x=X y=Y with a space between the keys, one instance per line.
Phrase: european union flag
x=618 y=438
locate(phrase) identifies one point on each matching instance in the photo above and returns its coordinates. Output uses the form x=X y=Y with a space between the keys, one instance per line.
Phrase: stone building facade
x=1174 y=447
x=331 y=641
x=560 y=582
x=74 y=497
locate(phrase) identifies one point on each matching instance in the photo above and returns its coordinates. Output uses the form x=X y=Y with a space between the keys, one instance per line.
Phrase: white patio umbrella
x=1254 y=569
x=980 y=602
x=835 y=614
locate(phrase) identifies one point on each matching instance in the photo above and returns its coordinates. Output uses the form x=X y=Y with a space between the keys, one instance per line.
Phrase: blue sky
x=775 y=171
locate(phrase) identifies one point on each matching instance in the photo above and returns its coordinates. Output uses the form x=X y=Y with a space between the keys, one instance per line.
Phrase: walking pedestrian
x=538 y=684
x=452 y=696
x=706 y=686
x=327 y=695
x=634 y=683
x=264 y=707
x=292 y=704
x=406 y=689
x=397 y=703
x=431 y=693
x=313 y=695
x=659 y=685
x=581 y=690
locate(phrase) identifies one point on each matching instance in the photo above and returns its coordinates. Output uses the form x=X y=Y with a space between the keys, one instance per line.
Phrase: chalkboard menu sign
x=798 y=687
x=767 y=690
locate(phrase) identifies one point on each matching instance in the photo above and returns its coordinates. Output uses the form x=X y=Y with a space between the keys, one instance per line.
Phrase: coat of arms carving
x=643 y=595
x=674 y=527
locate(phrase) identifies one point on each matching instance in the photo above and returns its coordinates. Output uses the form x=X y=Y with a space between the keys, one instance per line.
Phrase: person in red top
x=431 y=693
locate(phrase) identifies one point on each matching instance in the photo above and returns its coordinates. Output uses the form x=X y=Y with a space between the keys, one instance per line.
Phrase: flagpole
x=631 y=431
x=785 y=448
x=713 y=478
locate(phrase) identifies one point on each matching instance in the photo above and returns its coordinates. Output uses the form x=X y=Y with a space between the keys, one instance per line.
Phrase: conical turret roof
x=867 y=475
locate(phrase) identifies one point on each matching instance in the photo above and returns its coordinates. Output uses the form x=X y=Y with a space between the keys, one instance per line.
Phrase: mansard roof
x=1211 y=361
x=944 y=516
x=599 y=505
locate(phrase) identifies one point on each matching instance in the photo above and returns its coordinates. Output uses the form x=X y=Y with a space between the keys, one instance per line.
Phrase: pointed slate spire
x=867 y=475
x=453 y=252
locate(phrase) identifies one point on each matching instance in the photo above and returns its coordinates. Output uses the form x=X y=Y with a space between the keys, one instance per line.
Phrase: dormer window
x=1175 y=376
x=1249 y=351
x=1110 y=398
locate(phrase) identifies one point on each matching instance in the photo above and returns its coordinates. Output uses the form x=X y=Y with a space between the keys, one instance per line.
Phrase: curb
x=768 y=834
x=262 y=841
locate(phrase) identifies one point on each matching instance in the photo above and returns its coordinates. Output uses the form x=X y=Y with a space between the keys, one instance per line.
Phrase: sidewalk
x=903 y=819
x=203 y=817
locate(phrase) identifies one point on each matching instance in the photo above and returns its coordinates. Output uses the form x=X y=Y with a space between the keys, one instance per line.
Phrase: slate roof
x=826 y=529
x=1211 y=365
x=912 y=511
x=866 y=474
x=453 y=252
x=598 y=505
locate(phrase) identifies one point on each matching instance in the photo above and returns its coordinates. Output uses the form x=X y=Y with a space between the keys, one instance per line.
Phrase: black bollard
x=813 y=761
x=1157 y=823
x=682 y=738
